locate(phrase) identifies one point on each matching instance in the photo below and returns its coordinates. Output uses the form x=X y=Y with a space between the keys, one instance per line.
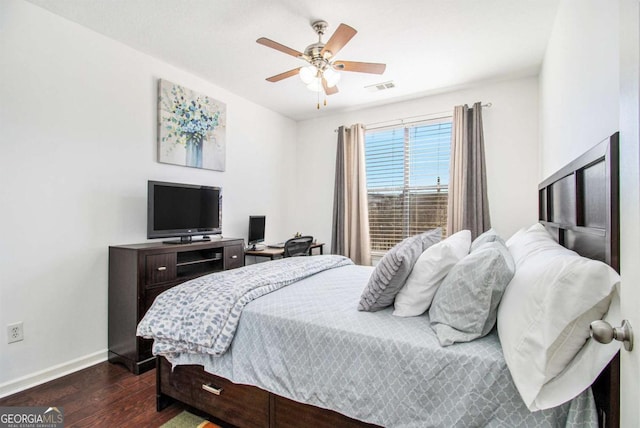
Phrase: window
x=407 y=181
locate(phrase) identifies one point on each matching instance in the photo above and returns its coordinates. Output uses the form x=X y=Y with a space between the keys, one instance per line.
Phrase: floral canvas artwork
x=191 y=128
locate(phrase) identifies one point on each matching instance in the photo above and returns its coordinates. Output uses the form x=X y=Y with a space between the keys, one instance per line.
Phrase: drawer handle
x=161 y=268
x=235 y=256
x=212 y=389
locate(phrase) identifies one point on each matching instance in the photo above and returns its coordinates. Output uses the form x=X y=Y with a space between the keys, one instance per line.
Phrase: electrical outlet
x=15 y=332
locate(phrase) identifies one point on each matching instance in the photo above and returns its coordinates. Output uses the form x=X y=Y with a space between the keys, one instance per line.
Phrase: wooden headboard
x=579 y=206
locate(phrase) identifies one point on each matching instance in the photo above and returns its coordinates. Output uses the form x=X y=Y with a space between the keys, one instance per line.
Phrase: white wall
x=579 y=82
x=589 y=89
x=511 y=145
x=78 y=139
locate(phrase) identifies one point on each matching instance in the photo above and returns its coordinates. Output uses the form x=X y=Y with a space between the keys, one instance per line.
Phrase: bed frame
x=578 y=205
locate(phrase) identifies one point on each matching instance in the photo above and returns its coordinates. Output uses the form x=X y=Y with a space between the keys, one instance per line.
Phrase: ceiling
x=429 y=46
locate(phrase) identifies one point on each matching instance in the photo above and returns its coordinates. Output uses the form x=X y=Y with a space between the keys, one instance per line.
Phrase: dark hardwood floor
x=104 y=395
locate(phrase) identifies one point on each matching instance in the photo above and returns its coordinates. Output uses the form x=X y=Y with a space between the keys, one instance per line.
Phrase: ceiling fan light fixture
x=331 y=76
x=308 y=74
x=315 y=85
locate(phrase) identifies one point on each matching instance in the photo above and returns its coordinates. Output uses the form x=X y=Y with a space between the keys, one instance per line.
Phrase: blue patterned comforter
x=201 y=315
x=308 y=342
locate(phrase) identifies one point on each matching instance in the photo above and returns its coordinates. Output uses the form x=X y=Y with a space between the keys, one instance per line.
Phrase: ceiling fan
x=321 y=74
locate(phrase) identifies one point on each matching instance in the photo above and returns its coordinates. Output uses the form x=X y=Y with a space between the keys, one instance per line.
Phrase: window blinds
x=407 y=177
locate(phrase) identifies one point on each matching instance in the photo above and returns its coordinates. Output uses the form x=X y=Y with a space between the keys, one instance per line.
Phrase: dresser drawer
x=160 y=268
x=240 y=405
x=233 y=256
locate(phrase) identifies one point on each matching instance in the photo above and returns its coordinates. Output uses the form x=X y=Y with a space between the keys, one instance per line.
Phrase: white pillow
x=533 y=239
x=544 y=317
x=517 y=235
x=429 y=271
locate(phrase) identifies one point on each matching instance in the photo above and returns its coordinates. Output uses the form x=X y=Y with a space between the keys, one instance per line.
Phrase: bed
x=302 y=355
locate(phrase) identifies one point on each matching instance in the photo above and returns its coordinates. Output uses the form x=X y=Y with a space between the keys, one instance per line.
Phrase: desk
x=274 y=253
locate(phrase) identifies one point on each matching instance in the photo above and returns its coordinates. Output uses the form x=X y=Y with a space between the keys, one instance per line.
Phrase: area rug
x=189 y=420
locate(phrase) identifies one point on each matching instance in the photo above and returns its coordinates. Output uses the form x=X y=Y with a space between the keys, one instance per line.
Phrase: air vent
x=380 y=86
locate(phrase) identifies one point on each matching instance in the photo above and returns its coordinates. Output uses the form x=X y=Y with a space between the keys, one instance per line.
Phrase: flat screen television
x=256 y=230
x=176 y=210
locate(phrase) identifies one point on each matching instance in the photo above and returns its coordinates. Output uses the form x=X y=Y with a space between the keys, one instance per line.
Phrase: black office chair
x=298 y=246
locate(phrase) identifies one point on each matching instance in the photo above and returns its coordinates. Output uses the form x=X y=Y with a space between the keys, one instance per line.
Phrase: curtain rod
x=407 y=121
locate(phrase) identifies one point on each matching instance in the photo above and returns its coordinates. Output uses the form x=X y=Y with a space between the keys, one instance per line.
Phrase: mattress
x=308 y=342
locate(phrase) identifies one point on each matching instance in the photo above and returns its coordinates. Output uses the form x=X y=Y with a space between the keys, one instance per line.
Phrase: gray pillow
x=489 y=236
x=392 y=271
x=465 y=306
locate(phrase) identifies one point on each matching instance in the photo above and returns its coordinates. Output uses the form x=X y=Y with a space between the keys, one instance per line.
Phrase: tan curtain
x=350 y=236
x=468 y=204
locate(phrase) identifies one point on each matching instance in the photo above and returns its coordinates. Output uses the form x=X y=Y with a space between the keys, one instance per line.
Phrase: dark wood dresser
x=138 y=273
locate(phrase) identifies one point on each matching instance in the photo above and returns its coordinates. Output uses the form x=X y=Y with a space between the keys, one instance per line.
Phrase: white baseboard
x=51 y=373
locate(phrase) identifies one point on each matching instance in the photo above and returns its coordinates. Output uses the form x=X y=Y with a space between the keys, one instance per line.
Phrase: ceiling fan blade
x=343 y=34
x=279 y=77
x=361 y=67
x=279 y=47
x=329 y=90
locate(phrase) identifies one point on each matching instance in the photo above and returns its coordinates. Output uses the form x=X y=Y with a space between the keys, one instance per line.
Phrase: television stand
x=138 y=273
